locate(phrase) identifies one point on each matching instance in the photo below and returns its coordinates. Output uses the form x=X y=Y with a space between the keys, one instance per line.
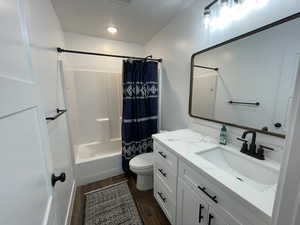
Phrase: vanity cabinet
x=188 y=196
x=177 y=191
x=165 y=180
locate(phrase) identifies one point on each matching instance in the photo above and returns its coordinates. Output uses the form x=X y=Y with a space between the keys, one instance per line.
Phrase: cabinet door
x=216 y=217
x=191 y=209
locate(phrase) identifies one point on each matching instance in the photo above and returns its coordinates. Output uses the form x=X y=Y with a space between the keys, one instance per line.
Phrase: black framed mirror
x=248 y=81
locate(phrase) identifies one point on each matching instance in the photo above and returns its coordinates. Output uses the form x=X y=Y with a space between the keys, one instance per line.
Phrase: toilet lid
x=142 y=161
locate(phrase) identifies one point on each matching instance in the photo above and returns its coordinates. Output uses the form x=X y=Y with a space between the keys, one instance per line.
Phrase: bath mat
x=111 y=205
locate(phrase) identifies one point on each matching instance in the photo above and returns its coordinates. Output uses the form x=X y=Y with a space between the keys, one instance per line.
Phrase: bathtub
x=98 y=160
x=97 y=150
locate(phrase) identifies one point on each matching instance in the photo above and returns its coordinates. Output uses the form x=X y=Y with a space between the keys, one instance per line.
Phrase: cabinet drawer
x=165 y=157
x=168 y=177
x=165 y=199
x=200 y=184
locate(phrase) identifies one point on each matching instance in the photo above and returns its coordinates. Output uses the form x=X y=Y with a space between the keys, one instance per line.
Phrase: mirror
x=248 y=82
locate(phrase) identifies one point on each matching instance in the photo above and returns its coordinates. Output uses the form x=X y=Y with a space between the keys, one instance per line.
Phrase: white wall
x=45 y=35
x=89 y=84
x=186 y=35
x=94 y=44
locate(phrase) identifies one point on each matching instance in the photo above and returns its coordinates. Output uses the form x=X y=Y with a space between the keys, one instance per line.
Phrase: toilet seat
x=142 y=162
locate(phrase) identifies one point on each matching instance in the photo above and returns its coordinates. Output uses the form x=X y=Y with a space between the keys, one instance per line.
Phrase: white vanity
x=199 y=182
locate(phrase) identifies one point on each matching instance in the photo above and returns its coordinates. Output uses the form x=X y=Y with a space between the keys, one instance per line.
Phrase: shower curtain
x=140 y=108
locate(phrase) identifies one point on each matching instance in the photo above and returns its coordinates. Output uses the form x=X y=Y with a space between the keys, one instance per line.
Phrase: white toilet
x=142 y=166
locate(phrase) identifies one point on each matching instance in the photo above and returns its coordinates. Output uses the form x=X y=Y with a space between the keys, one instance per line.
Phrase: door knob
x=61 y=178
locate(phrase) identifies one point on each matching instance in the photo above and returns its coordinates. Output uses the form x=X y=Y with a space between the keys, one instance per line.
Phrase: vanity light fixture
x=206 y=12
x=225 y=10
x=112 y=30
x=237 y=2
x=228 y=11
x=207 y=8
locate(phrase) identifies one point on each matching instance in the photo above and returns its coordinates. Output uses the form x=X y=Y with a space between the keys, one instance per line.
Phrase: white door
x=287 y=203
x=26 y=191
x=191 y=209
x=204 y=93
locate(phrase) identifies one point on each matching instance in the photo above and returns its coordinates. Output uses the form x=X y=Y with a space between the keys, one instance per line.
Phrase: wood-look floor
x=149 y=209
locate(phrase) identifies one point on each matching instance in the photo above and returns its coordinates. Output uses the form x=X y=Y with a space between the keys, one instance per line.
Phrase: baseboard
x=71 y=204
x=100 y=176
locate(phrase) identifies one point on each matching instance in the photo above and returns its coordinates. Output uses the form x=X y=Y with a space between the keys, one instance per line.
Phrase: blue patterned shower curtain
x=140 y=108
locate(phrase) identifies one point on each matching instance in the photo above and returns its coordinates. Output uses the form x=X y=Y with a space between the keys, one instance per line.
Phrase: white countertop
x=184 y=143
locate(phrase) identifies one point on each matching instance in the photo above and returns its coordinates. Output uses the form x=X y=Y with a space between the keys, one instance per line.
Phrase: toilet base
x=144 y=182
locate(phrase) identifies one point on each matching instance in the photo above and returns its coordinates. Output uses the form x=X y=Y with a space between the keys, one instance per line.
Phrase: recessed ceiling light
x=112 y=30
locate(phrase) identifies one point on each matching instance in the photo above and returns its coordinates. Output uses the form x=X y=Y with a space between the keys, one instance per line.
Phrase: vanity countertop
x=185 y=143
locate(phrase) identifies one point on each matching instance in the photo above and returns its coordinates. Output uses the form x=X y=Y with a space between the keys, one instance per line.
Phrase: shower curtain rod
x=61 y=50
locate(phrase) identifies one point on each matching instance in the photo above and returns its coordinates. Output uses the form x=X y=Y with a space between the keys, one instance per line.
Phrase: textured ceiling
x=137 y=20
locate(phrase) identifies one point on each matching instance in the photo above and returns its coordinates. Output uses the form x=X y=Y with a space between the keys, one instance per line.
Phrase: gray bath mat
x=112 y=205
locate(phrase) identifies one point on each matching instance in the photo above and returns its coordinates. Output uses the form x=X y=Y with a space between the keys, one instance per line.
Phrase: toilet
x=142 y=166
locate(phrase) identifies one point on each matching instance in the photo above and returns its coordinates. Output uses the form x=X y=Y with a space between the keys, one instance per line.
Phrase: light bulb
x=112 y=30
x=261 y=3
x=237 y=2
x=206 y=17
x=224 y=3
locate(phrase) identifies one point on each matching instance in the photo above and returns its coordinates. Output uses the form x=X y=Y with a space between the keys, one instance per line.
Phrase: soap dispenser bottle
x=223 y=135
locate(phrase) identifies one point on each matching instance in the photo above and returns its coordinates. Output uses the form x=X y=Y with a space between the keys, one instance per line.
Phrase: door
x=26 y=191
x=191 y=209
x=287 y=203
x=286 y=90
x=204 y=93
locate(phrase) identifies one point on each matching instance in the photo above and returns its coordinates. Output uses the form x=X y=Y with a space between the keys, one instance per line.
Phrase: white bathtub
x=96 y=150
x=98 y=160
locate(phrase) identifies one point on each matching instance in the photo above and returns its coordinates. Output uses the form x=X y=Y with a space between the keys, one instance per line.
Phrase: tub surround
x=255 y=201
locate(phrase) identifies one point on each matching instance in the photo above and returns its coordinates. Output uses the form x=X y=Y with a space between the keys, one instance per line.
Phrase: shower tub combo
x=94 y=112
x=94 y=102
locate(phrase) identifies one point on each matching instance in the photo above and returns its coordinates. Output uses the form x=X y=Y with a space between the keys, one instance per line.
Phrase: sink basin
x=243 y=168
